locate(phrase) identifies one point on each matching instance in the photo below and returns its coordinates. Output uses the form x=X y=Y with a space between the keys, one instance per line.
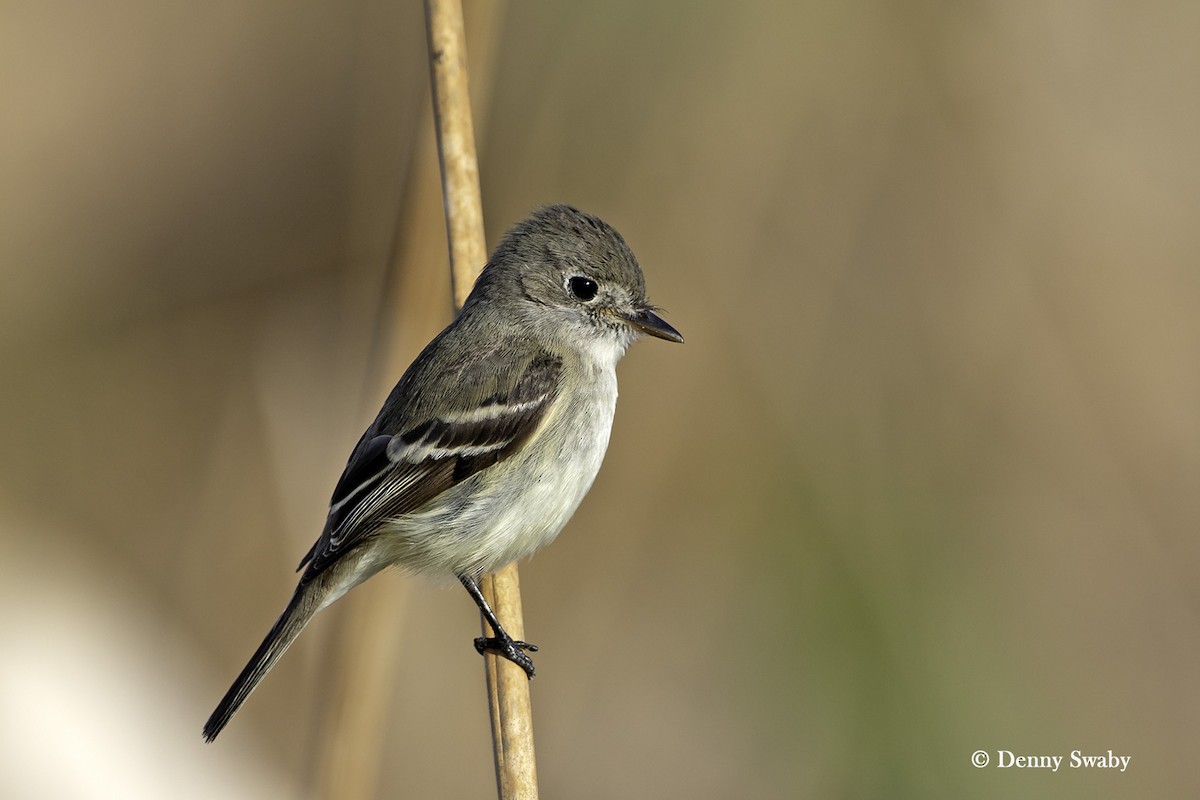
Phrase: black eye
x=583 y=288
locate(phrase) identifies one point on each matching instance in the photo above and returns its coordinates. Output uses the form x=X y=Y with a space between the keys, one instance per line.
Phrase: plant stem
x=508 y=686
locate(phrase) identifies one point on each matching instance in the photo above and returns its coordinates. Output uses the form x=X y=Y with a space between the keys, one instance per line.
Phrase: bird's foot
x=510 y=648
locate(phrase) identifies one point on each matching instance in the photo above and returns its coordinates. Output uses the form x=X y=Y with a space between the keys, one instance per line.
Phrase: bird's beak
x=647 y=321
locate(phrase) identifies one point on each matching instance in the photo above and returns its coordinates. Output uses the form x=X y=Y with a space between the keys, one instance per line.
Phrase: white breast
x=510 y=510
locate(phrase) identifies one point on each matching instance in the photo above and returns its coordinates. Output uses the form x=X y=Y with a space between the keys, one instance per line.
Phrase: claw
x=508 y=648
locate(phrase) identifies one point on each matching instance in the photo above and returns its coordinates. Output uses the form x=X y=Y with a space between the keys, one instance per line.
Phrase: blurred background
x=923 y=480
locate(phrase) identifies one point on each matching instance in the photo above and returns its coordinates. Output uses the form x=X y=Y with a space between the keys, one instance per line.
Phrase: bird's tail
x=304 y=604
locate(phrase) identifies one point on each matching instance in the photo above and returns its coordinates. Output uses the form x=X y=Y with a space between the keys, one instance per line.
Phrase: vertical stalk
x=508 y=686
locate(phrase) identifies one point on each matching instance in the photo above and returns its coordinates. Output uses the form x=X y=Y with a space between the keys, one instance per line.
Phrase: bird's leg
x=501 y=644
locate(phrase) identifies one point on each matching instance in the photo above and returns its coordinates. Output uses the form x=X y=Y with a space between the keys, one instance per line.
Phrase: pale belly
x=510 y=510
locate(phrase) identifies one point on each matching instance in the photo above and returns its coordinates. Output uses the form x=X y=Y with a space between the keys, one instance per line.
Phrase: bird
x=492 y=436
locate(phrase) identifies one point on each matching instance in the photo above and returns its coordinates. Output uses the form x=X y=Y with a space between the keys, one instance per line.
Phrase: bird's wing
x=393 y=474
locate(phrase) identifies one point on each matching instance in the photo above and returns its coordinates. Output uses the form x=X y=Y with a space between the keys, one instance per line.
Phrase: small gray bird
x=491 y=438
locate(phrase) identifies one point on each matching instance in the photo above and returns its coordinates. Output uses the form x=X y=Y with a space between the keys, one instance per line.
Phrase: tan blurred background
x=923 y=480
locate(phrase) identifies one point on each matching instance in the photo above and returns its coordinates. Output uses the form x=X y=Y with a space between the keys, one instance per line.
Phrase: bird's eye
x=583 y=288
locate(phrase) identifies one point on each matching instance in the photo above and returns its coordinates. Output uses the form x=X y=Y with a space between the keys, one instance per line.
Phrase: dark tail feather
x=300 y=610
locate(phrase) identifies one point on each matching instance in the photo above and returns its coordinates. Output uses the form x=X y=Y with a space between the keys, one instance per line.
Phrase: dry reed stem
x=508 y=686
